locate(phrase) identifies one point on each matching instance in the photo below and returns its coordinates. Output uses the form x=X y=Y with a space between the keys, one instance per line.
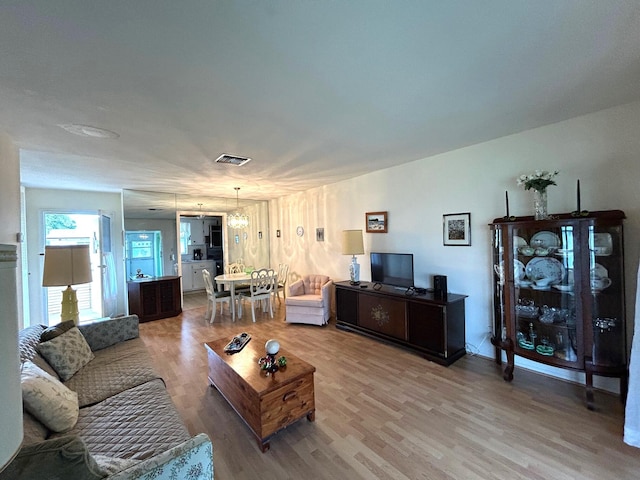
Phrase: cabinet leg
x=264 y=446
x=624 y=387
x=508 y=373
x=311 y=416
x=589 y=390
x=508 y=370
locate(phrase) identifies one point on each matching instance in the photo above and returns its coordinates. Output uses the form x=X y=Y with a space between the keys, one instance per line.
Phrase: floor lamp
x=67 y=265
x=352 y=245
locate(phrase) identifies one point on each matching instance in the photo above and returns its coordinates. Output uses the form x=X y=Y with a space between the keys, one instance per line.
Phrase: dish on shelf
x=564 y=288
x=518 y=271
x=545 y=267
x=563 y=252
x=523 y=283
x=601 y=244
x=545 y=239
x=598 y=271
x=518 y=242
x=541 y=287
x=526 y=250
x=546 y=350
x=526 y=344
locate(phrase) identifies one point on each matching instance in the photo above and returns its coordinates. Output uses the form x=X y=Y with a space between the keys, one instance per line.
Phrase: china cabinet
x=559 y=294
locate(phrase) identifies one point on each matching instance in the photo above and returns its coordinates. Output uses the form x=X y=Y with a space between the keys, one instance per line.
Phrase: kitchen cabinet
x=197 y=232
x=192 y=278
x=431 y=326
x=558 y=294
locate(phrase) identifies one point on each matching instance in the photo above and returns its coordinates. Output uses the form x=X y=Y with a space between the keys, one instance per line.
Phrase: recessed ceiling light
x=88 y=131
x=232 y=159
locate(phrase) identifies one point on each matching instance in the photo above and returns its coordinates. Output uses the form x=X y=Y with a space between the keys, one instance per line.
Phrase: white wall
x=40 y=200
x=601 y=149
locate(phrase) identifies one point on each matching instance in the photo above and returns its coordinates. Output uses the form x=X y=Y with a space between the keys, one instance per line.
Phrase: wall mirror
x=153 y=225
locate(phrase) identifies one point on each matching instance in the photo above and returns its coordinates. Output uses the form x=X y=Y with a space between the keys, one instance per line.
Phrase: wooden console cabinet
x=154 y=298
x=430 y=326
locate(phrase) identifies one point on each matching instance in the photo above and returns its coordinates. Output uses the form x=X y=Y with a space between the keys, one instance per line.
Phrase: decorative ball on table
x=272 y=346
x=268 y=362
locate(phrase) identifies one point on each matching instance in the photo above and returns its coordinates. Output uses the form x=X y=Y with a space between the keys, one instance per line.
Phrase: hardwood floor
x=383 y=413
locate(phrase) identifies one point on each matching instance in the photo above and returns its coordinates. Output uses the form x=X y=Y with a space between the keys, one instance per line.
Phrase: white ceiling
x=313 y=91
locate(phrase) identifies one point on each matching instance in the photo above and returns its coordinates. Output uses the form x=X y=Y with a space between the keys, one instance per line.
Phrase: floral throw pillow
x=47 y=399
x=67 y=353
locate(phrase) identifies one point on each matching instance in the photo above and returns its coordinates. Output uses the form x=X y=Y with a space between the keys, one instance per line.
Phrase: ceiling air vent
x=232 y=159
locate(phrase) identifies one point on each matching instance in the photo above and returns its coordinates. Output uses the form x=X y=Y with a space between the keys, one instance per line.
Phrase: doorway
x=64 y=228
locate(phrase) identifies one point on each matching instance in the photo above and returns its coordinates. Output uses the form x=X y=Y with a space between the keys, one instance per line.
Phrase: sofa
x=309 y=300
x=110 y=418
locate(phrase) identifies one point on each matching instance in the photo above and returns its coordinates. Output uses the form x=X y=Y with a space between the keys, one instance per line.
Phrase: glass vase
x=540 y=211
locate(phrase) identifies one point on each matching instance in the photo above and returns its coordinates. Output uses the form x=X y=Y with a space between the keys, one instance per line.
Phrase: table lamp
x=352 y=245
x=67 y=265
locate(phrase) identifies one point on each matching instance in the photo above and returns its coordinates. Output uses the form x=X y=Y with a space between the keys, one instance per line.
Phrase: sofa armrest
x=104 y=332
x=63 y=457
x=296 y=288
x=192 y=459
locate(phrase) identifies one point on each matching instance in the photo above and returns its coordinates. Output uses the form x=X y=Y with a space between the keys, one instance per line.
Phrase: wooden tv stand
x=432 y=327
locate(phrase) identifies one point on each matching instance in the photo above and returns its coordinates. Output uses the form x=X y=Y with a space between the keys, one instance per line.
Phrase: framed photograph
x=376 y=222
x=278 y=233
x=320 y=234
x=456 y=229
x=260 y=235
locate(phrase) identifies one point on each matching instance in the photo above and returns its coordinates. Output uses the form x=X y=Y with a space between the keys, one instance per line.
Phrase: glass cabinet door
x=606 y=286
x=545 y=294
x=499 y=326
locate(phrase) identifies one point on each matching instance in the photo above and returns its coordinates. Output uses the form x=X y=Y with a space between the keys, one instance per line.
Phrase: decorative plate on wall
x=300 y=231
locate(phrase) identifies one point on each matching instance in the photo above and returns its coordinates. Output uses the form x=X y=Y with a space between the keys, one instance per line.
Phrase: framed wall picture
x=456 y=229
x=376 y=222
x=320 y=234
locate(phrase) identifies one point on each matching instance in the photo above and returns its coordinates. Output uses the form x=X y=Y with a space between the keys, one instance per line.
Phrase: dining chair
x=260 y=290
x=234 y=268
x=281 y=286
x=237 y=268
x=214 y=296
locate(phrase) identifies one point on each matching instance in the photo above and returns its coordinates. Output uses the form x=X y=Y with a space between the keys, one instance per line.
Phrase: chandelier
x=237 y=220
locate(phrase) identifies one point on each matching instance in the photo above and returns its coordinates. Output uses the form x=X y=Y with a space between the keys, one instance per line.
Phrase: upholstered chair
x=309 y=300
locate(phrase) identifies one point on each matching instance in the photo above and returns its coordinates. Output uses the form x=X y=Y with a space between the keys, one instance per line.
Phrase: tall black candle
x=578 y=196
x=506 y=198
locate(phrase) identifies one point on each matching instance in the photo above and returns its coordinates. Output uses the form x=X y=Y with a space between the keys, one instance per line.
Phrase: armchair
x=309 y=300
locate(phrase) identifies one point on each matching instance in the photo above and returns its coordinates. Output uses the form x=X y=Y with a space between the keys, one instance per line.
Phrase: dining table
x=229 y=281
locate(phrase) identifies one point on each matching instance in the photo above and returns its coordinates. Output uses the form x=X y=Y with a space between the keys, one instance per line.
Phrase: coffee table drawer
x=287 y=404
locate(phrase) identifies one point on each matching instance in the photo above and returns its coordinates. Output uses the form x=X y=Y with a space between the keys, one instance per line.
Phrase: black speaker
x=440 y=286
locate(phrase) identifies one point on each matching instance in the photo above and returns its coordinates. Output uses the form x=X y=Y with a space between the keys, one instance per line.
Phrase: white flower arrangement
x=539 y=180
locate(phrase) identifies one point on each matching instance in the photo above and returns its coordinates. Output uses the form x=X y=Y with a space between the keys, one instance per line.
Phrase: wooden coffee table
x=266 y=403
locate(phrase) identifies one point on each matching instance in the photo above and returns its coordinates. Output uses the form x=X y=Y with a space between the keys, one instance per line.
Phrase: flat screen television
x=392 y=269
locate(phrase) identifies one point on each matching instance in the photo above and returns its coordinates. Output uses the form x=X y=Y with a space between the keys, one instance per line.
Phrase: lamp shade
x=352 y=242
x=66 y=265
x=10 y=393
